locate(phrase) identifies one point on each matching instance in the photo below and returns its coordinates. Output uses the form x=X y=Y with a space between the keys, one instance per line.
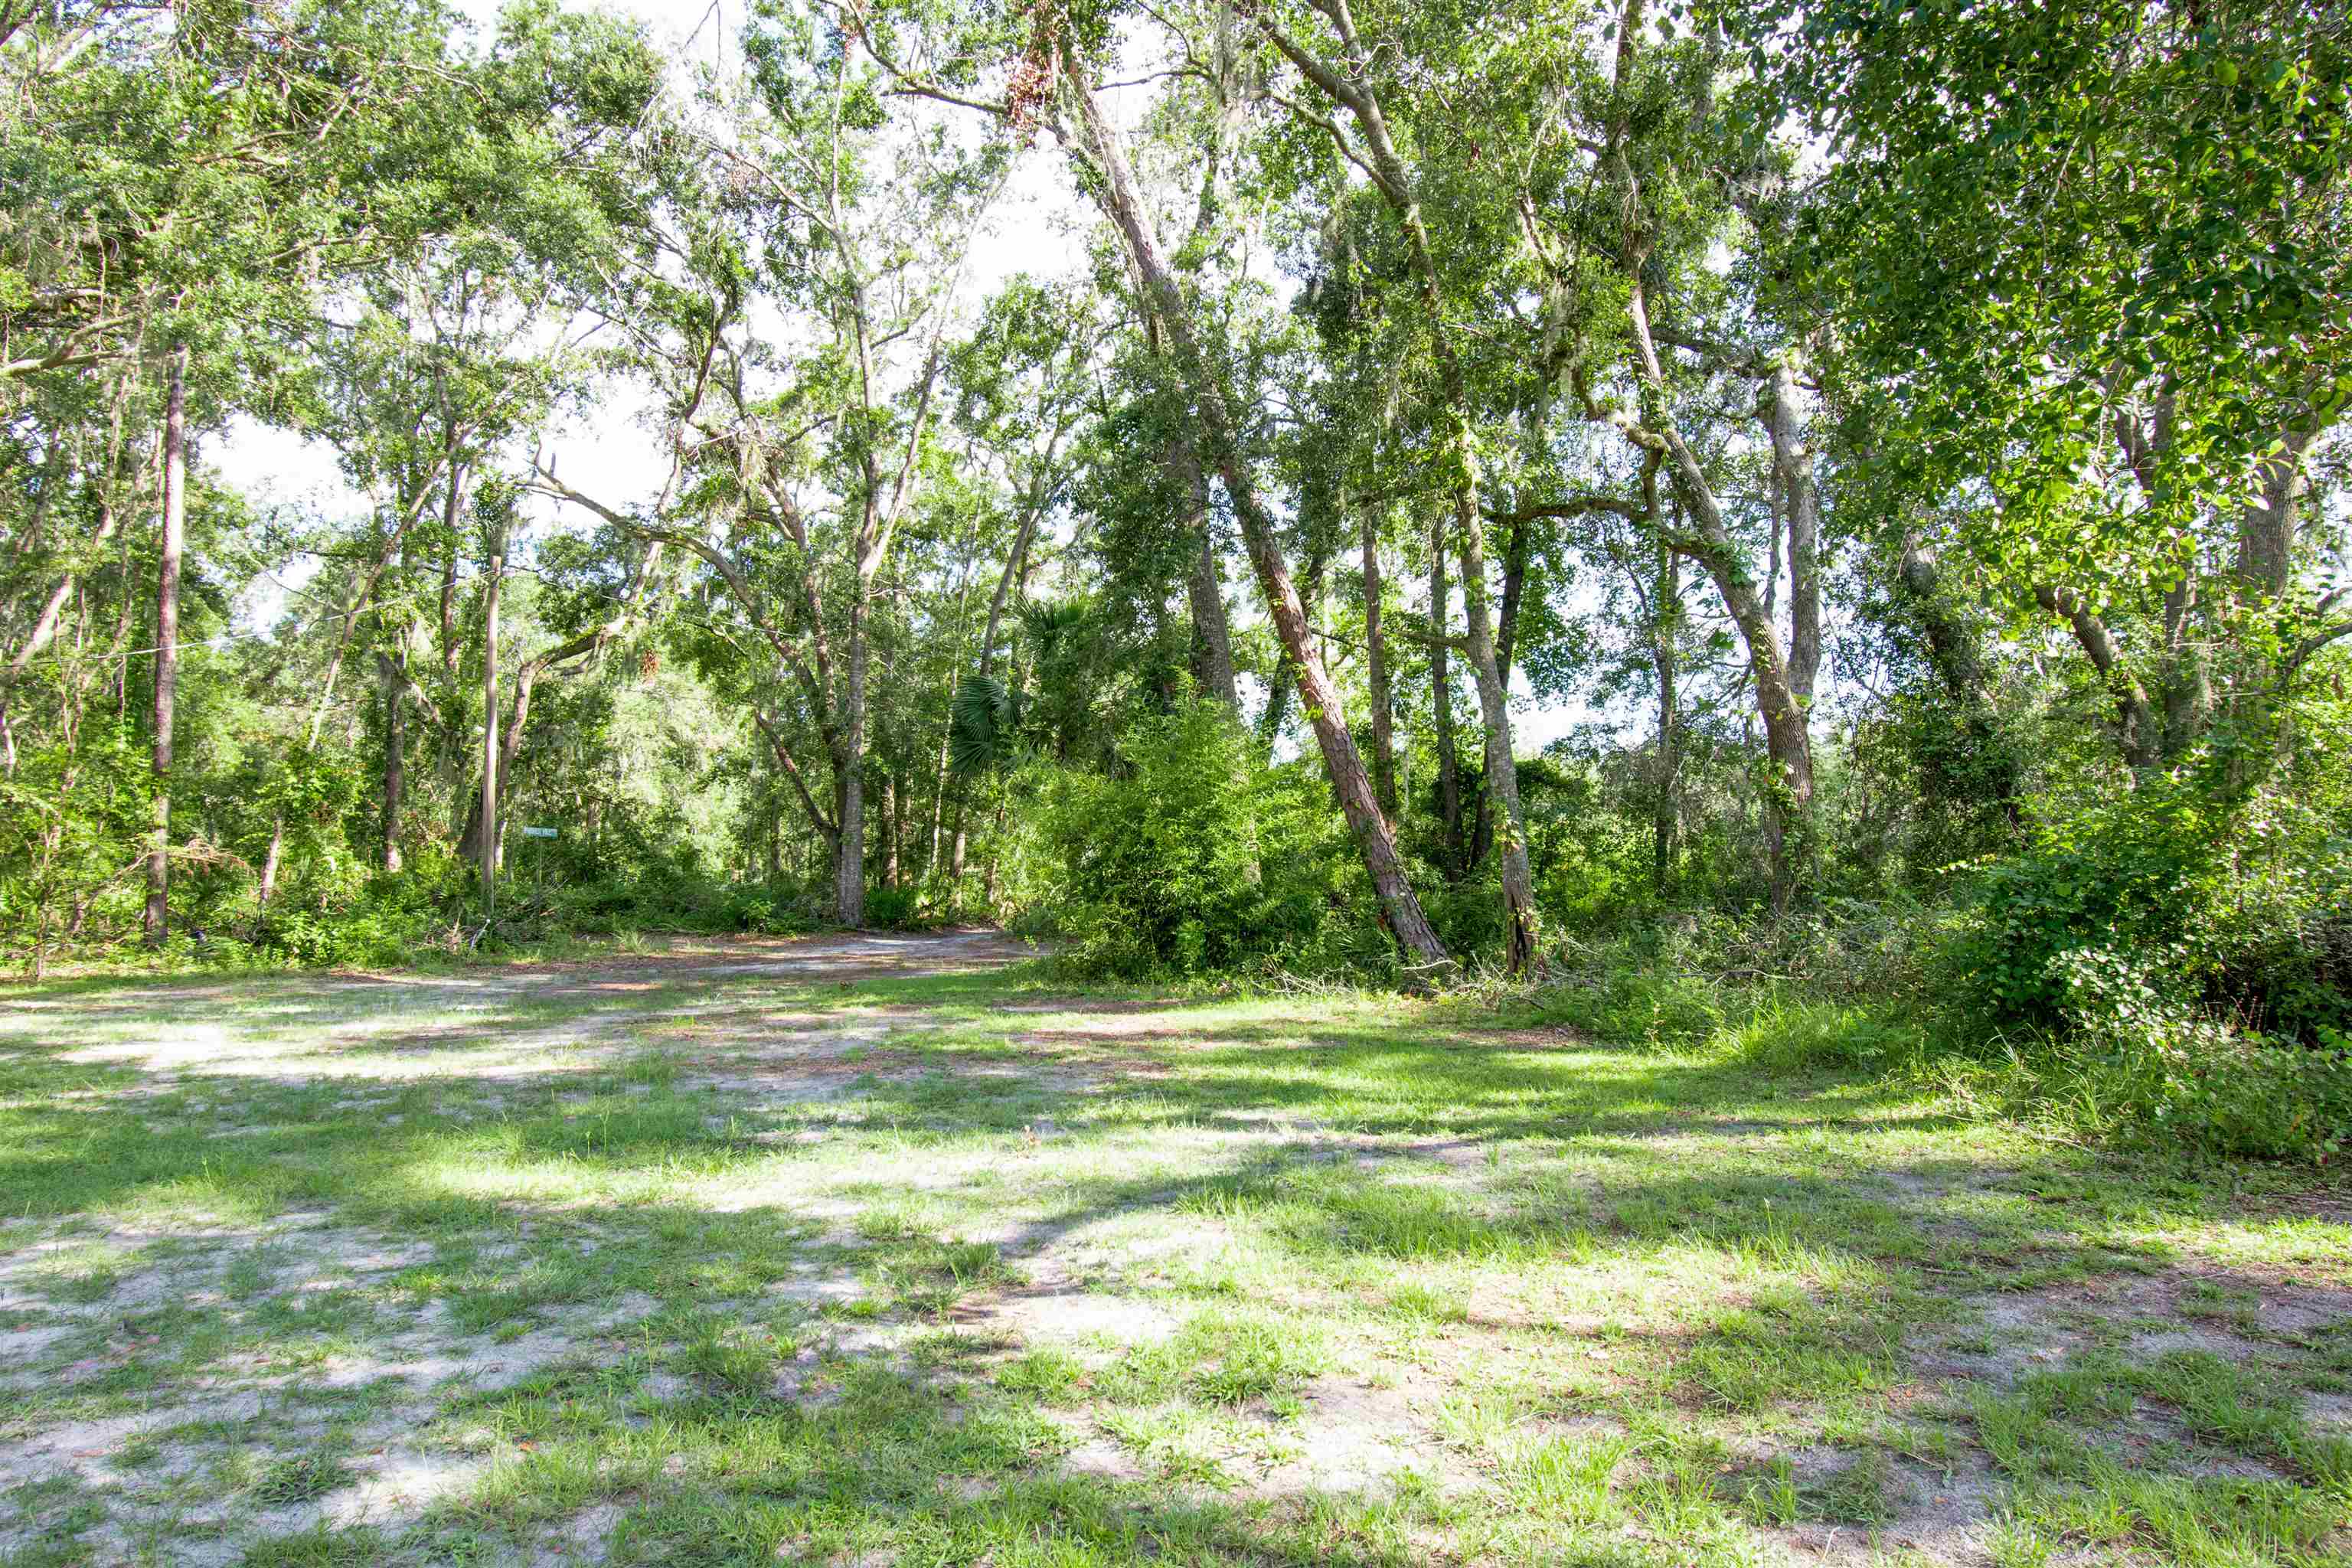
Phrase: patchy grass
x=873 y=1250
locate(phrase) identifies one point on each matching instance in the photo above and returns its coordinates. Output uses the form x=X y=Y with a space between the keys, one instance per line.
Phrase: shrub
x=895 y=908
x=1197 y=857
x=2173 y=964
x=2172 y=902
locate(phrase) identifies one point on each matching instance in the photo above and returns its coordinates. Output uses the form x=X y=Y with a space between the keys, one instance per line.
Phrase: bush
x=895 y=908
x=2173 y=964
x=1196 y=857
x=2165 y=904
x=769 y=910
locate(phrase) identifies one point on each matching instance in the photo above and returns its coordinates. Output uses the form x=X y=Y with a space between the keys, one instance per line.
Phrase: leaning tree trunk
x=1350 y=83
x=1123 y=204
x=158 y=921
x=1788 y=738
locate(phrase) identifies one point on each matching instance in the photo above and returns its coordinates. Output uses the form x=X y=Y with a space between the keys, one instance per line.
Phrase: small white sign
x=539 y=833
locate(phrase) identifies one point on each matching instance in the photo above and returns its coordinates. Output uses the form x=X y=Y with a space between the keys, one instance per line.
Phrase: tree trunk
x=1284 y=684
x=1351 y=84
x=1514 y=578
x=995 y=839
x=1441 y=691
x=1788 y=738
x=1212 y=644
x=1013 y=574
x=396 y=742
x=158 y=920
x=2136 y=723
x=1123 y=205
x=1502 y=774
x=1666 y=614
x=941 y=785
x=123 y=613
x=1376 y=657
x=1793 y=460
x=271 y=861
x=490 y=808
x=849 y=855
x=45 y=623
x=1008 y=577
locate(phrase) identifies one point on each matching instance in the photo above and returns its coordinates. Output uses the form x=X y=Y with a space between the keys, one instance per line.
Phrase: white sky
x=1040 y=227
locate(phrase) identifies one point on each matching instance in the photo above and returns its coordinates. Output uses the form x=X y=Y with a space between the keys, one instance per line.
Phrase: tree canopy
x=1255 y=487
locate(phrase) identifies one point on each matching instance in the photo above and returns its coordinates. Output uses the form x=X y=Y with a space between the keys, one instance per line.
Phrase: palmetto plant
x=983 y=726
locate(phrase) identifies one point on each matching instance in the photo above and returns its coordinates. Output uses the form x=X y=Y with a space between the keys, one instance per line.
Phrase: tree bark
x=1350 y=84
x=1666 y=607
x=1788 y=738
x=1014 y=567
x=490 y=808
x=1793 y=460
x=1376 y=658
x=1283 y=685
x=1707 y=541
x=45 y=623
x=1122 y=203
x=2136 y=731
x=1514 y=578
x=1212 y=645
x=396 y=742
x=849 y=789
x=1441 y=691
x=158 y=920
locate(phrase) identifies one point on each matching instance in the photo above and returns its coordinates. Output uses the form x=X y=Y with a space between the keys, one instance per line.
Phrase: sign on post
x=539 y=833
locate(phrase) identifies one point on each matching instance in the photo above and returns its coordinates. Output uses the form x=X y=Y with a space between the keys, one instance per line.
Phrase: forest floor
x=882 y=1249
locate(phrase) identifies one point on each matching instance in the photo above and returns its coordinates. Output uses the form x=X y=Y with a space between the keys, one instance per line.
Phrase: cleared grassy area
x=875 y=1250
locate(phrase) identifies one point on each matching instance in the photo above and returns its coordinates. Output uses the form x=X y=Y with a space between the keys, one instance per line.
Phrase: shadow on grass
x=1346 y=1147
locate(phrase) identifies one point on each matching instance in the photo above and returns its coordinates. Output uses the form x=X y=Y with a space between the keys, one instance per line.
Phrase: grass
x=862 y=1253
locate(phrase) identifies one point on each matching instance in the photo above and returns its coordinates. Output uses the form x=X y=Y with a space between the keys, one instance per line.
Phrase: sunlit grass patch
x=1219 y=1357
x=1333 y=1279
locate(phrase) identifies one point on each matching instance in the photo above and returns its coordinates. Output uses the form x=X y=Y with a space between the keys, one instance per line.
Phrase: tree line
x=1911 y=432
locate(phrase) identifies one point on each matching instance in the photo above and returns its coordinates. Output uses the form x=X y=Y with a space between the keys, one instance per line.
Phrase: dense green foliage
x=1193 y=856
x=1825 y=510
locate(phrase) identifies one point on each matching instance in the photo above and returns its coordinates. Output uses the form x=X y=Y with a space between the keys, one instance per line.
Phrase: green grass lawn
x=868 y=1252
